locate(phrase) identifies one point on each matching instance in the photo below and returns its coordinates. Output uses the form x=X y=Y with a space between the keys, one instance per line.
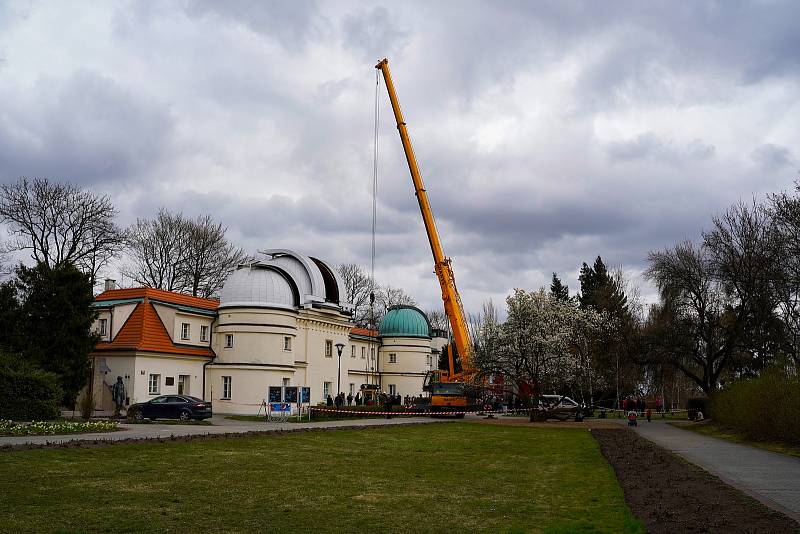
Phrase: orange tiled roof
x=158 y=294
x=144 y=330
x=363 y=331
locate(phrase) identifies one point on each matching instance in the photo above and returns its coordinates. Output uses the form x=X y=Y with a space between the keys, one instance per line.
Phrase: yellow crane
x=448 y=389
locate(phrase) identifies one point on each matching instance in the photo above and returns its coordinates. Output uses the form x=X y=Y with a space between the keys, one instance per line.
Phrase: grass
x=710 y=428
x=422 y=478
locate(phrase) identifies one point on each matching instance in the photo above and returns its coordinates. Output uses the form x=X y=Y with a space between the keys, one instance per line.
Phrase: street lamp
x=339 y=348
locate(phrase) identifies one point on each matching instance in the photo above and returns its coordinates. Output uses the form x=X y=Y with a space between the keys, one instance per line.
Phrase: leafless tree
x=785 y=211
x=358 y=286
x=694 y=328
x=174 y=253
x=211 y=257
x=60 y=223
x=438 y=319
x=159 y=250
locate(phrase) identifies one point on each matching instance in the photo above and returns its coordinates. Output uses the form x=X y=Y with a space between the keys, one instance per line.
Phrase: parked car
x=181 y=407
x=559 y=407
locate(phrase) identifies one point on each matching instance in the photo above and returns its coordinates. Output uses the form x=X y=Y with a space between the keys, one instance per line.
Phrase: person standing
x=329 y=401
x=349 y=399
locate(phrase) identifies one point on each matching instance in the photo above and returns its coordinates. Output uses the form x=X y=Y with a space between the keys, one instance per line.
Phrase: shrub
x=86 y=404
x=765 y=408
x=26 y=392
x=698 y=404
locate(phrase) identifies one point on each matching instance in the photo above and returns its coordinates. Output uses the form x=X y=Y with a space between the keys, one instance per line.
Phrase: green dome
x=405 y=321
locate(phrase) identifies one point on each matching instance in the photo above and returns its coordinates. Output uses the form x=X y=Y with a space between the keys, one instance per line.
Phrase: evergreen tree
x=559 y=291
x=9 y=315
x=58 y=316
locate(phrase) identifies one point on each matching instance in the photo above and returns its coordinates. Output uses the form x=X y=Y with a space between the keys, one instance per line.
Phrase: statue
x=118 y=393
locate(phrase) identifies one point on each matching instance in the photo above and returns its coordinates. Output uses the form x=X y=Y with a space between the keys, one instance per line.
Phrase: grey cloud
x=373 y=33
x=290 y=23
x=771 y=157
x=85 y=129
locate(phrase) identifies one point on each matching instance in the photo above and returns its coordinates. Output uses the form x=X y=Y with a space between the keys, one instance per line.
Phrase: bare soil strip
x=670 y=495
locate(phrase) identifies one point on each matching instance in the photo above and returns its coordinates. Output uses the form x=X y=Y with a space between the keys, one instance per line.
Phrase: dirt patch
x=671 y=495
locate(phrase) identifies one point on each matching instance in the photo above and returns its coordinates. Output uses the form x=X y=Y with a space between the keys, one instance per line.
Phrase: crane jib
x=444 y=272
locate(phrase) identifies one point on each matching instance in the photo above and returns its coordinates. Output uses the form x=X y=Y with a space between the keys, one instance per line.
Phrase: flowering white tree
x=543 y=343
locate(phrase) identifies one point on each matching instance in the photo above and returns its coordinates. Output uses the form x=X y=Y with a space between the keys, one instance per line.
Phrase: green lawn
x=710 y=428
x=434 y=478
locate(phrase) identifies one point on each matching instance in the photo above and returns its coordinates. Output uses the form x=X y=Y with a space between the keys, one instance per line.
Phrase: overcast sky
x=547 y=132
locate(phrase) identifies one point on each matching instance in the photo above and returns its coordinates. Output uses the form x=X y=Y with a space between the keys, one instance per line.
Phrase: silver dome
x=258 y=286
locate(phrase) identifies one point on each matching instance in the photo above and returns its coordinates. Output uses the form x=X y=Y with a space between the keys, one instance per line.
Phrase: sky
x=547 y=133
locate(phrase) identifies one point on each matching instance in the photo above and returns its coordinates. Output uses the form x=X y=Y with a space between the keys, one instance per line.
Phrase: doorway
x=183 y=384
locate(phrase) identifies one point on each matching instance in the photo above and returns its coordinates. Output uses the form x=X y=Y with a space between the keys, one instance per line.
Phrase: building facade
x=280 y=320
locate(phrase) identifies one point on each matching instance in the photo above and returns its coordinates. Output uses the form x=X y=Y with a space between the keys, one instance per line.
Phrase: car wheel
x=138 y=415
x=185 y=416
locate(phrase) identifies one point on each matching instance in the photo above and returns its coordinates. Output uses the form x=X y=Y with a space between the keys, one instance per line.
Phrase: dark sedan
x=180 y=407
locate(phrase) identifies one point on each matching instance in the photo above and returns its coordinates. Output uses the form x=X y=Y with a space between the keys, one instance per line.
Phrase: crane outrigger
x=449 y=390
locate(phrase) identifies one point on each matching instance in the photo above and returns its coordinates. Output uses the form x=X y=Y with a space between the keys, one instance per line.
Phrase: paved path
x=770 y=477
x=221 y=425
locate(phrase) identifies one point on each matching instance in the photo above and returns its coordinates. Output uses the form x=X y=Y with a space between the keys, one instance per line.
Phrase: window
x=363 y=352
x=352 y=351
x=326 y=389
x=226 y=387
x=228 y=341
x=154 y=384
x=103 y=326
x=329 y=348
x=430 y=360
x=287 y=343
x=392 y=389
x=169 y=381
x=372 y=353
x=352 y=389
x=393 y=358
x=287 y=381
x=203 y=333
x=184 y=330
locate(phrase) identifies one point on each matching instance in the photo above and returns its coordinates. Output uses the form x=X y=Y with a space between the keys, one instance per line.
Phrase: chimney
x=110 y=284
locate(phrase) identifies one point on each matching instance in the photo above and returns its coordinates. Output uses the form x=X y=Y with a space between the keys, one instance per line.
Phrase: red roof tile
x=363 y=331
x=144 y=331
x=158 y=294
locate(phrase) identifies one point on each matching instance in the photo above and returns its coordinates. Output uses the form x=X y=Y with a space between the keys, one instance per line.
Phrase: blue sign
x=305 y=395
x=280 y=407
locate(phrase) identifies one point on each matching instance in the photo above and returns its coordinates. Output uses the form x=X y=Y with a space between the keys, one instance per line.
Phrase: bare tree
x=438 y=319
x=159 y=251
x=694 y=328
x=358 y=286
x=211 y=257
x=745 y=255
x=60 y=223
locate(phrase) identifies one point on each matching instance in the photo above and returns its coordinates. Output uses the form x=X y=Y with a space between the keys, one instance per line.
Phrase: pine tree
x=559 y=291
x=56 y=320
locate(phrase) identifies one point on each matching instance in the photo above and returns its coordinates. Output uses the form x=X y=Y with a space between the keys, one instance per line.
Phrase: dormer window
x=185 y=331
x=204 y=333
x=103 y=327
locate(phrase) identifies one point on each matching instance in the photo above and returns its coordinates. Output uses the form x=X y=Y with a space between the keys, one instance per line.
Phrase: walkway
x=772 y=478
x=221 y=425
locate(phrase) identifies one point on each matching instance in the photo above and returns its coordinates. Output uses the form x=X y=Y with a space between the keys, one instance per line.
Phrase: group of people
x=340 y=400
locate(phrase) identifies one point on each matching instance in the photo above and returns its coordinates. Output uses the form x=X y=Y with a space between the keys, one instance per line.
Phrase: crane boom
x=450 y=297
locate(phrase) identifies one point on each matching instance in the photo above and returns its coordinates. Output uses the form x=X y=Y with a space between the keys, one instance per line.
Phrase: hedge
x=27 y=393
x=766 y=408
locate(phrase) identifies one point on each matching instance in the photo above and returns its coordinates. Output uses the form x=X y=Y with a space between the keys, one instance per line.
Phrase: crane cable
x=377 y=115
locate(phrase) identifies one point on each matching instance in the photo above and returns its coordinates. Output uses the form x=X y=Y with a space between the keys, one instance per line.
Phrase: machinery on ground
x=450 y=391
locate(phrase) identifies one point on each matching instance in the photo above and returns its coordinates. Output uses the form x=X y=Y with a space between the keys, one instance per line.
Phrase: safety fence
x=412 y=414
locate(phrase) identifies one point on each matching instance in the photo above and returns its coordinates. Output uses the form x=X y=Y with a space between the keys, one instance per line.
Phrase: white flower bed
x=36 y=428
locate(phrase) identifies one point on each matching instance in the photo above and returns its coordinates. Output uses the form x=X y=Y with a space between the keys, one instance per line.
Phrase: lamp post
x=339 y=348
